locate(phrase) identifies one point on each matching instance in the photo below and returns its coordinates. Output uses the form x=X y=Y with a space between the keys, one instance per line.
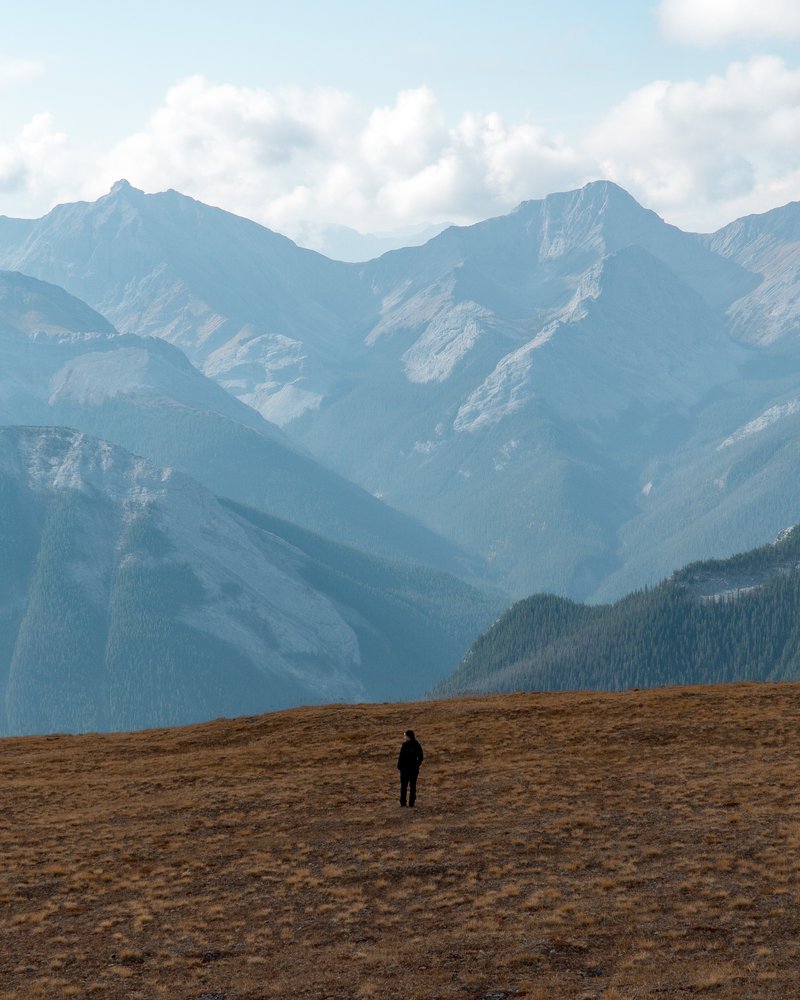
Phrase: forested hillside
x=722 y=620
x=131 y=597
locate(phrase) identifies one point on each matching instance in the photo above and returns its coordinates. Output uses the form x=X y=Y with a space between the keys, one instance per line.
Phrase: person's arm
x=420 y=754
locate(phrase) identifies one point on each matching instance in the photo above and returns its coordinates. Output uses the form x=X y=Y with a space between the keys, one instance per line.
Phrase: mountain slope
x=717 y=621
x=131 y=597
x=61 y=363
x=552 y=437
x=734 y=479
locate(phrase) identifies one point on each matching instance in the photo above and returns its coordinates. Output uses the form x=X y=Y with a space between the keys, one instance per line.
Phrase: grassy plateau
x=643 y=844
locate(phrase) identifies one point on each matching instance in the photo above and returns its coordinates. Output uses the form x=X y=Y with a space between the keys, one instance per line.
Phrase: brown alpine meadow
x=641 y=844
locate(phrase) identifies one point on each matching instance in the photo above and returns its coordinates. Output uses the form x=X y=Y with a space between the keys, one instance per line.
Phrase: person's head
x=409 y=734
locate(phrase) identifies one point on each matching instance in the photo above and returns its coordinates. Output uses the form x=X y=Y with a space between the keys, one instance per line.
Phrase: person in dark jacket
x=408 y=765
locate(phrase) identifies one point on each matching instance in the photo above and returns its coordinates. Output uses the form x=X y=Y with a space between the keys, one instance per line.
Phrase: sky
x=381 y=116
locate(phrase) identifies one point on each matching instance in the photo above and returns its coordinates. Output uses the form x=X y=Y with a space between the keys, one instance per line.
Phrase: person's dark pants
x=408 y=784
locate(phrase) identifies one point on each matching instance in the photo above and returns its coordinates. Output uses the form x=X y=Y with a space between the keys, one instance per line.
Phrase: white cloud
x=710 y=22
x=702 y=153
x=286 y=156
x=38 y=162
x=15 y=71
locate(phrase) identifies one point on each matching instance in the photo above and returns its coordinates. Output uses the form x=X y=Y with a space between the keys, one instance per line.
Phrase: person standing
x=408 y=765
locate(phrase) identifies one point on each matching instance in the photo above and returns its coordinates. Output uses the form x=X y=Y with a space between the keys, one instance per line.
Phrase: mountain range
x=577 y=394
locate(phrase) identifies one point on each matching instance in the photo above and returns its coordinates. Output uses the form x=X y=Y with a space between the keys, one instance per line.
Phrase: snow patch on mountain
x=506 y=452
x=766 y=419
x=426 y=448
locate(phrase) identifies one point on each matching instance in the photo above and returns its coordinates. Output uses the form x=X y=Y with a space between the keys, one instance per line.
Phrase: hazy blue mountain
x=130 y=597
x=344 y=243
x=258 y=313
x=735 y=470
x=528 y=444
x=723 y=620
x=62 y=363
x=582 y=394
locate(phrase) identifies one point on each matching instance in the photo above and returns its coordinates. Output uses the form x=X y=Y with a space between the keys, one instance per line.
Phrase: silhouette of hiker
x=408 y=765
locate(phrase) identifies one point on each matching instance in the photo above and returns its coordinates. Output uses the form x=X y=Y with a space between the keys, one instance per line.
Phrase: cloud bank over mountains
x=700 y=152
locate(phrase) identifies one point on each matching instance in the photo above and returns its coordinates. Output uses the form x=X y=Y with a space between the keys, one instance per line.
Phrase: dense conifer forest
x=711 y=622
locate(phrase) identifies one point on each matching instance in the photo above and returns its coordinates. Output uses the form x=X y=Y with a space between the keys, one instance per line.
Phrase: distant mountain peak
x=598 y=194
x=598 y=218
x=122 y=186
x=122 y=195
x=606 y=189
x=593 y=328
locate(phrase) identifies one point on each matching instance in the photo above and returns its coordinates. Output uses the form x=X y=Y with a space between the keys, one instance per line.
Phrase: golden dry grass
x=644 y=844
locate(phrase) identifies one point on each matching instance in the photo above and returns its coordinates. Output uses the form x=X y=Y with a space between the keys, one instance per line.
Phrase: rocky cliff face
x=767 y=247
